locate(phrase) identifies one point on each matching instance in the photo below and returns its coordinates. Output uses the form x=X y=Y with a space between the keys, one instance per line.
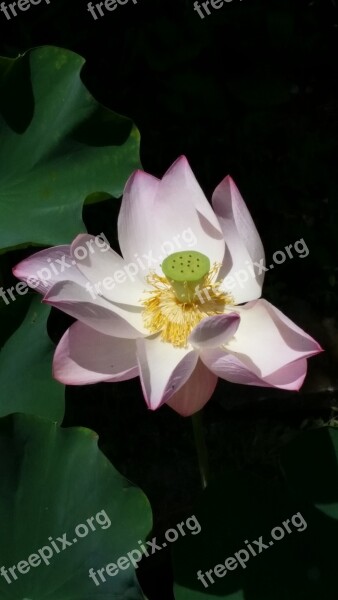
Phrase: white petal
x=110 y=276
x=98 y=313
x=84 y=356
x=243 y=242
x=214 y=331
x=164 y=369
x=266 y=340
x=195 y=393
x=159 y=218
x=45 y=268
x=232 y=369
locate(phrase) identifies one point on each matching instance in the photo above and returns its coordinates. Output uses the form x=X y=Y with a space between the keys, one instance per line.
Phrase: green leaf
x=239 y=508
x=58 y=146
x=26 y=380
x=52 y=480
x=11 y=312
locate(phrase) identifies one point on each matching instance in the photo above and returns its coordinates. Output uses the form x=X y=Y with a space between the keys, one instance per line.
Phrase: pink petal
x=97 y=313
x=266 y=340
x=106 y=270
x=158 y=218
x=45 y=268
x=84 y=356
x=290 y=377
x=232 y=369
x=136 y=229
x=215 y=331
x=181 y=174
x=164 y=369
x=195 y=393
x=243 y=242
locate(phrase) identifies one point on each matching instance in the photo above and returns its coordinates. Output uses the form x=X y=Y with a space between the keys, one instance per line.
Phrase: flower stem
x=201 y=448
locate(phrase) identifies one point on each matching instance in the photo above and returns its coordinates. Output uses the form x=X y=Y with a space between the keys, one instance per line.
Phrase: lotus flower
x=184 y=319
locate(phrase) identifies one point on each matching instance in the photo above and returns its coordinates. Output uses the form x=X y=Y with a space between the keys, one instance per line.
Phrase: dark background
x=250 y=90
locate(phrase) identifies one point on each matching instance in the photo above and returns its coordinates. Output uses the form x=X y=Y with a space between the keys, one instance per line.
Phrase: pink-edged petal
x=242 y=279
x=110 y=276
x=195 y=393
x=181 y=176
x=163 y=368
x=290 y=377
x=266 y=340
x=45 y=268
x=158 y=218
x=97 y=313
x=214 y=331
x=232 y=369
x=136 y=229
x=84 y=356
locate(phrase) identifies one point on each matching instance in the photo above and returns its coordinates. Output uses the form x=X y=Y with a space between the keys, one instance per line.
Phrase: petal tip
x=181 y=161
x=138 y=177
x=15 y=271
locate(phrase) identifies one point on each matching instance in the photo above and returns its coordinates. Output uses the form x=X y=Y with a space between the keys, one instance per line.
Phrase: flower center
x=186 y=272
x=186 y=294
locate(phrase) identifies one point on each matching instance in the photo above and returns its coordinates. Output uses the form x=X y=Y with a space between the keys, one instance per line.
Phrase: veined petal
x=98 y=313
x=215 y=331
x=163 y=368
x=195 y=393
x=243 y=243
x=106 y=270
x=158 y=218
x=47 y=267
x=232 y=369
x=85 y=356
x=266 y=340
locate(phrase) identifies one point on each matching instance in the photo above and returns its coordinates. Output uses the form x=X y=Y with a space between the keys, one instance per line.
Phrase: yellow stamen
x=175 y=320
